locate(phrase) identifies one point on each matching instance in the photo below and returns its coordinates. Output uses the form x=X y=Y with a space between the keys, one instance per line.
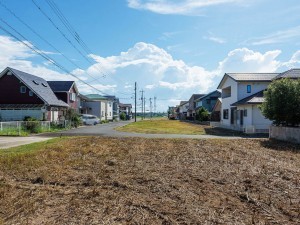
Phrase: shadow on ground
x=280 y=145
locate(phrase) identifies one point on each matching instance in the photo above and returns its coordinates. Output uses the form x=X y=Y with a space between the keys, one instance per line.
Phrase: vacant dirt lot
x=143 y=181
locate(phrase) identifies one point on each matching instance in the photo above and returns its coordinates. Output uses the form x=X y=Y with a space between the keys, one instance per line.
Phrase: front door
x=241 y=117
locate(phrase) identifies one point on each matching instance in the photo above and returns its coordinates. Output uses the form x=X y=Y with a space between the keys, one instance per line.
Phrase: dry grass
x=159 y=181
x=163 y=126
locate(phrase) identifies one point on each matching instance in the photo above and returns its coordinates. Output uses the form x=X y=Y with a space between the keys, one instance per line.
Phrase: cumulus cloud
x=153 y=68
x=246 y=60
x=294 y=62
x=184 y=7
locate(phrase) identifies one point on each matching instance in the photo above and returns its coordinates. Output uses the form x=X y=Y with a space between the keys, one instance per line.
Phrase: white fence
x=18 y=128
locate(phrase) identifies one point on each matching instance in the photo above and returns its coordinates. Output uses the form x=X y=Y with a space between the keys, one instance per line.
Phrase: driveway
x=108 y=130
x=8 y=142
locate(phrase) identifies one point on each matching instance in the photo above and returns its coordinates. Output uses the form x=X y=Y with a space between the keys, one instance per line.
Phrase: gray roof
x=292 y=73
x=61 y=86
x=256 y=98
x=263 y=77
x=252 y=76
x=39 y=86
x=183 y=102
x=211 y=93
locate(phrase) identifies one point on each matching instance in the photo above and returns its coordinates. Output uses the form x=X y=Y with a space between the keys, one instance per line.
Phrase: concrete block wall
x=290 y=134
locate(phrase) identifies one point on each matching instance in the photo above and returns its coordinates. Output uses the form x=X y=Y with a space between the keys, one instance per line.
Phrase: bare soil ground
x=161 y=181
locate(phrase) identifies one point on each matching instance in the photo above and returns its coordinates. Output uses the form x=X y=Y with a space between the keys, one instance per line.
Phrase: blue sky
x=172 y=48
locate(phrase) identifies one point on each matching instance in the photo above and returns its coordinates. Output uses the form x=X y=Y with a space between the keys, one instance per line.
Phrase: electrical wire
x=47 y=42
x=40 y=52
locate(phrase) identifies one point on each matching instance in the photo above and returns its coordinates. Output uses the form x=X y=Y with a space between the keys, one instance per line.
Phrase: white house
x=99 y=106
x=242 y=93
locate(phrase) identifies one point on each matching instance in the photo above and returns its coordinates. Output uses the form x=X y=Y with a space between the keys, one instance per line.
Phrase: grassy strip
x=29 y=148
x=163 y=127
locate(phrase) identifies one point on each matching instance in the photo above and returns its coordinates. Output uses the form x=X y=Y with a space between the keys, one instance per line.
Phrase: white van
x=89 y=119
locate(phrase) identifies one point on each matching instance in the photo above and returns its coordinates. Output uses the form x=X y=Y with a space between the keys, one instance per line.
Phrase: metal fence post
x=18 y=125
x=1 y=126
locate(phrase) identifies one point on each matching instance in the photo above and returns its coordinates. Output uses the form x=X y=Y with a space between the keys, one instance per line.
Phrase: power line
x=75 y=34
x=67 y=24
x=63 y=34
x=40 y=52
x=43 y=39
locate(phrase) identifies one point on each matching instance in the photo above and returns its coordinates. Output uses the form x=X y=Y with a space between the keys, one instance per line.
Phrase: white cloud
x=214 y=38
x=294 y=62
x=150 y=86
x=184 y=7
x=16 y=55
x=246 y=60
x=153 y=68
x=277 y=37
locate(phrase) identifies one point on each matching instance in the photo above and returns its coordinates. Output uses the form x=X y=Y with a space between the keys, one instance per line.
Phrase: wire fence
x=21 y=128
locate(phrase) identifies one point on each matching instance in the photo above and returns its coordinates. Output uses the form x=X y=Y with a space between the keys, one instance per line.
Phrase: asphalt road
x=108 y=130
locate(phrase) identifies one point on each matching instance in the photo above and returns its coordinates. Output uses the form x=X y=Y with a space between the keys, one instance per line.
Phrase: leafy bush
x=282 y=102
x=202 y=114
x=74 y=117
x=32 y=125
x=123 y=116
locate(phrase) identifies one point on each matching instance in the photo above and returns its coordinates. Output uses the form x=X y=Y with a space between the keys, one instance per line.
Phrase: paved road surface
x=107 y=130
x=8 y=142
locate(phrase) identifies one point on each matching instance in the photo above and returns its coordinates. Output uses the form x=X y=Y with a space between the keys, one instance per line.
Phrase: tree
x=282 y=102
x=202 y=114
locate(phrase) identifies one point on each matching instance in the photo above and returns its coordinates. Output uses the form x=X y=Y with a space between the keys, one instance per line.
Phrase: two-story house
x=25 y=95
x=191 y=113
x=66 y=91
x=208 y=101
x=241 y=94
x=127 y=109
x=183 y=109
x=100 y=106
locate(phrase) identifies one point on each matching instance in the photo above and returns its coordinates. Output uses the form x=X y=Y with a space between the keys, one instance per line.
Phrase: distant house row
x=235 y=103
x=23 y=94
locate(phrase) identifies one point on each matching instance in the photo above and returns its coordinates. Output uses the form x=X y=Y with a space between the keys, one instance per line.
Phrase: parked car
x=89 y=119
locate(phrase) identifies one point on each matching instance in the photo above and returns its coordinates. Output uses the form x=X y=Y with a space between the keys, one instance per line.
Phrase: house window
x=207 y=101
x=30 y=93
x=109 y=113
x=245 y=112
x=249 y=88
x=22 y=89
x=73 y=97
x=102 y=113
x=225 y=114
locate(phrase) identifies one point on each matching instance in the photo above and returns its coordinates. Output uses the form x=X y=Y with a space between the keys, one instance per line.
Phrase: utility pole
x=144 y=107
x=142 y=102
x=150 y=108
x=134 y=101
x=154 y=106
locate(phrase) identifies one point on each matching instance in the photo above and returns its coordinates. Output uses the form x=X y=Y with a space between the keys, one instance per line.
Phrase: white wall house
x=242 y=93
x=99 y=106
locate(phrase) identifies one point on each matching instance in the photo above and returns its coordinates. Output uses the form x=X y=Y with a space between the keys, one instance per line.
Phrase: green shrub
x=73 y=117
x=123 y=116
x=282 y=102
x=32 y=125
x=202 y=114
